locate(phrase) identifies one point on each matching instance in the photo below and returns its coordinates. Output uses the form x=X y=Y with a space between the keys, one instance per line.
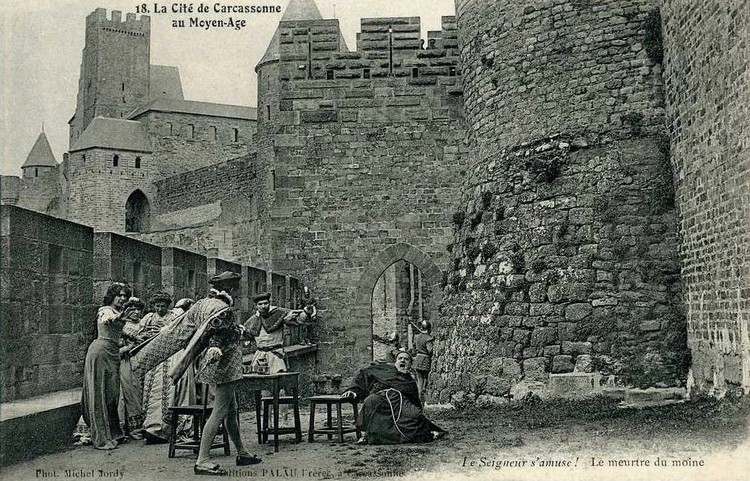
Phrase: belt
x=268 y=349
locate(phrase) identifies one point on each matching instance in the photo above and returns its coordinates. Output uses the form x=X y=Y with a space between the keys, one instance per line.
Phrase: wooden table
x=289 y=381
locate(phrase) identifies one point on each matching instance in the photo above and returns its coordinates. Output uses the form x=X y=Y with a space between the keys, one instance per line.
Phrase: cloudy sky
x=42 y=41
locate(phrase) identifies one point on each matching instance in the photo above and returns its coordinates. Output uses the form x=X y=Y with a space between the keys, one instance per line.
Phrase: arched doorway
x=401 y=300
x=416 y=275
x=137 y=213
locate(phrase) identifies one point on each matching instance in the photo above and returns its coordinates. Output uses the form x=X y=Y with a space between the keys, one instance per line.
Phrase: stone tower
x=114 y=76
x=565 y=253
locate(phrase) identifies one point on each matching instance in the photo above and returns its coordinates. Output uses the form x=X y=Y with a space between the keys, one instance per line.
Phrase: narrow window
x=137 y=162
x=213 y=132
x=115 y=160
x=169 y=129
x=329 y=74
x=235 y=135
x=415 y=72
x=83 y=159
x=55 y=258
x=257 y=287
x=137 y=273
x=36 y=172
x=123 y=86
x=268 y=112
x=191 y=130
x=366 y=73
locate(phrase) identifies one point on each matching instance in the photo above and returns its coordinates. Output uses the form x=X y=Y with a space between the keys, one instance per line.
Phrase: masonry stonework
x=706 y=44
x=565 y=253
x=47 y=302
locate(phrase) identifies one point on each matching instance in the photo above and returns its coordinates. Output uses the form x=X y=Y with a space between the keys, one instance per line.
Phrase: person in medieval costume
x=219 y=338
x=131 y=399
x=266 y=326
x=159 y=391
x=391 y=410
x=423 y=350
x=100 y=424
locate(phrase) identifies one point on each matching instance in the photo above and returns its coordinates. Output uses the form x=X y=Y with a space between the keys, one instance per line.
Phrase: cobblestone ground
x=551 y=441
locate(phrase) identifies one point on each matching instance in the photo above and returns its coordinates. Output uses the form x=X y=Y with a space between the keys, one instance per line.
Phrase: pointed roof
x=117 y=134
x=165 y=83
x=41 y=154
x=295 y=10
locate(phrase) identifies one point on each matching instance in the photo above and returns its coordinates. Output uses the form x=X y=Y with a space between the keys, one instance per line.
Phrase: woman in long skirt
x=101 y=372
x=160 y=392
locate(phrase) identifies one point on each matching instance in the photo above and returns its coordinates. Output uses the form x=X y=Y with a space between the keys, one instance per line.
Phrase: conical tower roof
x=41 y=154
x=295 y=10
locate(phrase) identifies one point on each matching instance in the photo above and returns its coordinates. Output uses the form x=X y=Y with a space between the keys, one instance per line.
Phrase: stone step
x=38 y=425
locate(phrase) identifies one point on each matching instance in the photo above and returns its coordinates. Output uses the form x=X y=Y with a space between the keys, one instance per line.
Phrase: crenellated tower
x=115 y=68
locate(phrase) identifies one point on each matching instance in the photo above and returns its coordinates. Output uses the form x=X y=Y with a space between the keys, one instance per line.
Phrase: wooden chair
x=200 y=414
x=330 y=429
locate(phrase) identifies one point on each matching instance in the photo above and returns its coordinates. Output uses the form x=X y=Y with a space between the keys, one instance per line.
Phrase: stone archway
x=430 y=274
x=137 y=212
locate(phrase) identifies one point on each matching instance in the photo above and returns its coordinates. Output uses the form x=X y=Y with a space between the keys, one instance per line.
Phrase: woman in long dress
x=101 y=372
x=159 y=391
x=131 y=394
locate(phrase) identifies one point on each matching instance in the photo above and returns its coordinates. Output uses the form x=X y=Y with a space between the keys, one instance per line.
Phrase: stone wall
x=98 y=190
x=362 y=172
x=706 y=56
x=184 y=142
x=40 y=194
x=123 y=259
x=565 y=255
x=47 y=302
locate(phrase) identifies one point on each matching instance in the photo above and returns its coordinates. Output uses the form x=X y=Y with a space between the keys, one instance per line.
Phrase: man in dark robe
x=391 y=412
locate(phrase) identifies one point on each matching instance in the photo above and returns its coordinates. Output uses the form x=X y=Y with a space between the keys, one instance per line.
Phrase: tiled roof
x=41 y=154
x=198 y=108
x=165 y=83
x=118 y=134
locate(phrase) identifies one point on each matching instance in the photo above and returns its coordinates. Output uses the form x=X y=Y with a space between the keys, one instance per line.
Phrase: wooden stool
x=200 y=414
x=330 y=429
x=264 y=428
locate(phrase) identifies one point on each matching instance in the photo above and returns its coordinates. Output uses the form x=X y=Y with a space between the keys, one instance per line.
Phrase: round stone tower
x=565 y=251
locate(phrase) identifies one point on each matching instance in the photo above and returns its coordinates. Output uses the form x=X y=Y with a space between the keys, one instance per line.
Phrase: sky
x=42 y=42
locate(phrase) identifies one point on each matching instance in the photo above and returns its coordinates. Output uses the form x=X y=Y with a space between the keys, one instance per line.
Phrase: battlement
x=386 y=47
x=131 y=25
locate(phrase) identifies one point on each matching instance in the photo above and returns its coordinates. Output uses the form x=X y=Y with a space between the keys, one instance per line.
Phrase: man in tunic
x=391 y=412
x=267 y=327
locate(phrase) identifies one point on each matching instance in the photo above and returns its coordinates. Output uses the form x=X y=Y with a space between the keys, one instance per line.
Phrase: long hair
x=114 y=290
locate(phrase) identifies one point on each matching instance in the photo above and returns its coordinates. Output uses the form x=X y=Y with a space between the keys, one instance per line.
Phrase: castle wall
x=124 y=259
x=565 y=255
x=47 y=306
x=98 y=191
x=706 y=60
x=212 y=210
x=39 y=194
x=184 y=273
x=180 y=148
x=363 y=172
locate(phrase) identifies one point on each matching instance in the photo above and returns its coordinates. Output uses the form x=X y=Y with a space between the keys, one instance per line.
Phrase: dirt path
x=549 y=442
